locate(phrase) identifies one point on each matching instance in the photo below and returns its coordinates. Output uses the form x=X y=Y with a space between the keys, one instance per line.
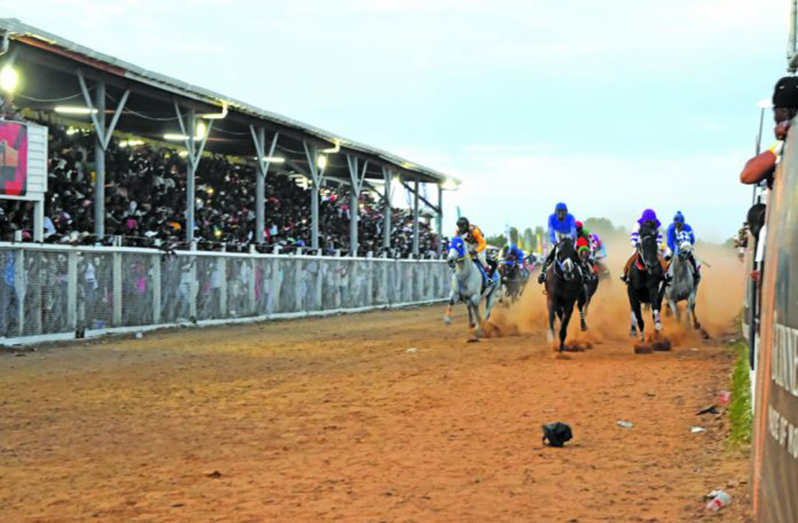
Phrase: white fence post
x=117 y=289
x=222 y=268
x=21 y=288
x=156 y=289
x=72 y=290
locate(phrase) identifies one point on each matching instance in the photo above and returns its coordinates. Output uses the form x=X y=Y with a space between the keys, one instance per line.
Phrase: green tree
x=500 y=240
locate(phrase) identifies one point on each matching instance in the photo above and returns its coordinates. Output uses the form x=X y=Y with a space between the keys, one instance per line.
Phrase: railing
x=50 y=292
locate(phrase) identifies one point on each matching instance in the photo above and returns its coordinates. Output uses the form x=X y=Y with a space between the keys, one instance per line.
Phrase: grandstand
x=134 y=156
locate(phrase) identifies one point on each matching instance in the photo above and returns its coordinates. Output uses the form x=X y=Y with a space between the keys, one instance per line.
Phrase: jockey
x=585 y=257
x=513 y=254
x=597 y=247
x=679 y=233
x=650 y=221
x=562 y=224
x=476 y=243
x=581 y=232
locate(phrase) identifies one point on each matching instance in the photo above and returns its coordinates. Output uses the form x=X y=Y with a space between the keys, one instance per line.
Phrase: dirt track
x=333 y=420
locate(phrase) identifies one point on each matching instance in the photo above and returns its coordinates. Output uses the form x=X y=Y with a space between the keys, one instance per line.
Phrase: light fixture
x=9 y=79
x=271 y=159
x=321 y=162
x=74 y=109
x=72 y=130
x=131 y=143
x=217 y=116
x=764 y=104
x=199 y=133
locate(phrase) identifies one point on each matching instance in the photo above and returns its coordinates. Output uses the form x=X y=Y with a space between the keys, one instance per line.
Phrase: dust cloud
x=720 y=297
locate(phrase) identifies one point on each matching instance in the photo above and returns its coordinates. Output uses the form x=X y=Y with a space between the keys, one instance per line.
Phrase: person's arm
x=692 y=235
x=760 y=166
x=672 y=237
x=572 y=221
x=481 y=243
x=634 y=238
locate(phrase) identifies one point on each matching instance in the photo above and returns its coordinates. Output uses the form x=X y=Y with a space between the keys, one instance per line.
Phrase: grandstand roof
x=48 y=65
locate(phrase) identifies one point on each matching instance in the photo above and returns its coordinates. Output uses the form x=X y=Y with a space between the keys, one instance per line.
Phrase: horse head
x=685 y=250
x=566 y=259
x=457 y=251
x=649 y=250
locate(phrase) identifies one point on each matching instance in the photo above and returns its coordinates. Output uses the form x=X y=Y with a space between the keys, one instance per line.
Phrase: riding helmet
x=679 y=218
x=561 y=207
x=462 y=223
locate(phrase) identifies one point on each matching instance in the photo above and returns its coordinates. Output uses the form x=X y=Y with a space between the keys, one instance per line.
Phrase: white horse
x=467 y=286
x=683 y=286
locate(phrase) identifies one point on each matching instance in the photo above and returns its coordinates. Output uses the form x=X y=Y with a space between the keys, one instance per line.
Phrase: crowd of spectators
x=146 y=203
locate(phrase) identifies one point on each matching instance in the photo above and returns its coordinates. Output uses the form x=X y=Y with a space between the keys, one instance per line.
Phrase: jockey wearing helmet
x=562 y=225
x=679 y=233
x=475 y=240
x=515 y=255
x=648 y=220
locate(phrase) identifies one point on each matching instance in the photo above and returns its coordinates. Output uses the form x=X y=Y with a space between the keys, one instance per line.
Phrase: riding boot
x=627 y=268
x=545 y=268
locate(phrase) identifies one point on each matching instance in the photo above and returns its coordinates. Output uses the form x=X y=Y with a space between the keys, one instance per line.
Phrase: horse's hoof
x=658 y=327
x=584 y=326
x=550 y=337
x=447 y=320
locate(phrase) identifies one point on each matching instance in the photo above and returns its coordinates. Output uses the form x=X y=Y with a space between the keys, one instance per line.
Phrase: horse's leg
x=564 y=321
x=696 y=324
x=489 y=302
x=550 y=334
x=447 y=316
x=477 y=316
x=637 y=319
x=470 y=314
x=656 y=292
x=581 y=304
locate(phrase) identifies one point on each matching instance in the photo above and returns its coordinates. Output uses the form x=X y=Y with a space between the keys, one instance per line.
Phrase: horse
x=590 y=287
x=646 y=282
x=468 y=286
x=512 y=281
x=683 y=286
x=564 y=286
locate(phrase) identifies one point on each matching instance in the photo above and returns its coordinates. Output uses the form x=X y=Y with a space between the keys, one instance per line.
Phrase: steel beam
x=415 y=218
x=440 y=221
x=317 y=176
x=259 y=138
x=426 y=201
x=387 y=175
x=356 y=177
x=99 y=160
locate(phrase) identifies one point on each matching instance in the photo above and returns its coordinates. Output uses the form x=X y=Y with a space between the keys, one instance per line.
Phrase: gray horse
x=683 y=286
x=467 y=286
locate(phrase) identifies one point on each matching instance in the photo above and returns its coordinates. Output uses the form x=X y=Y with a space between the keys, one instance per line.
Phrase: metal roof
x=17 y=30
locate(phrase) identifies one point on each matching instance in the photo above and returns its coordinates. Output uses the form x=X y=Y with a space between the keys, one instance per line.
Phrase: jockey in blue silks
x=562 y=224
x=515 y=255
x=679 y=232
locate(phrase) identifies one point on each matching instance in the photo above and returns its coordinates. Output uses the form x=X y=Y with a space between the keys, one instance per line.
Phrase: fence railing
x=52 y=292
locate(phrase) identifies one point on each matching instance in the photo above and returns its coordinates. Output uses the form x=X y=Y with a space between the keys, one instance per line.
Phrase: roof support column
x=356 y=177
x=259 y=138
x=317 y=177
x=439 y=215
x=102 y=139
x=415 y=218
x=99 y=162
x=189 y=130
x=388 y=193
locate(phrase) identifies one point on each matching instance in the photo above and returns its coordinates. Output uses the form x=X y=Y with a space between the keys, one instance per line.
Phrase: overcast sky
x=611 y=106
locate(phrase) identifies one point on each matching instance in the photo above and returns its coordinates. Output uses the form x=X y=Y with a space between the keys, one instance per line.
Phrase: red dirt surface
x=334 y=420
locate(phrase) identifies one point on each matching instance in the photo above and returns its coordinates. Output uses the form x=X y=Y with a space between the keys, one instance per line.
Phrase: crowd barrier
x=50 y=292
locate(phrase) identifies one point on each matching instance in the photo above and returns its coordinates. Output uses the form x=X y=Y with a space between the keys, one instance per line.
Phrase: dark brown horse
x=563 y=288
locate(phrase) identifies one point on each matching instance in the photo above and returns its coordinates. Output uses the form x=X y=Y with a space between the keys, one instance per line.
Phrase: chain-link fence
x=47 y=290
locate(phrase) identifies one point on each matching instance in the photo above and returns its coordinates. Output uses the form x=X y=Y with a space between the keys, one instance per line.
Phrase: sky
x=611 y=106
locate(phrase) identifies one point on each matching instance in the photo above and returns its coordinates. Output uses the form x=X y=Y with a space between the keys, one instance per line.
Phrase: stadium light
x=177 y=137
x=217 y=116
x=9 y=79
x=271 y=159
x=131 y=143
x=321 y=162
x=74 y=109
